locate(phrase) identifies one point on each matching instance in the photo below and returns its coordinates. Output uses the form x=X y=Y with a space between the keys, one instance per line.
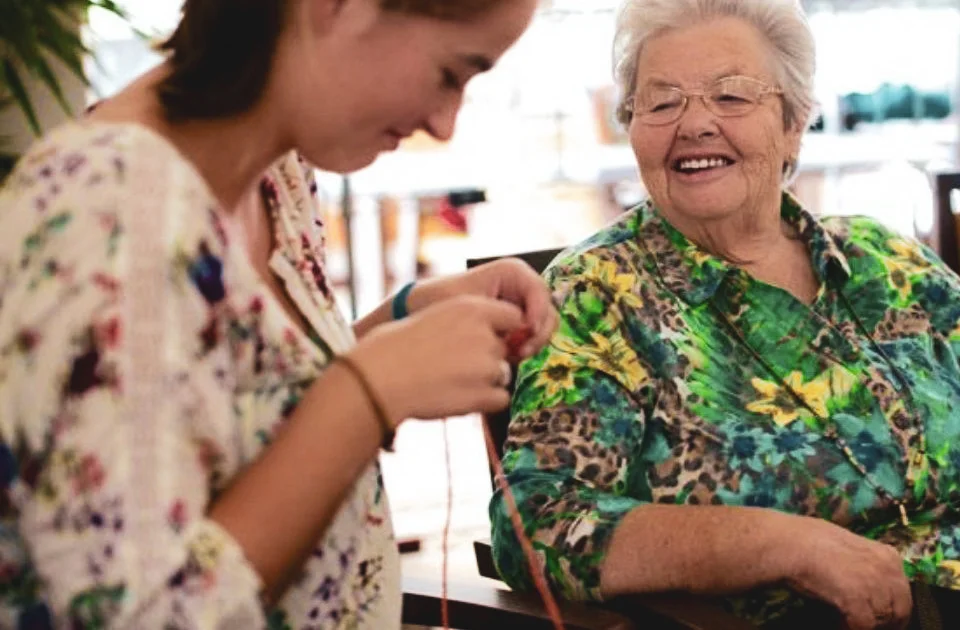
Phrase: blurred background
x=538 y=162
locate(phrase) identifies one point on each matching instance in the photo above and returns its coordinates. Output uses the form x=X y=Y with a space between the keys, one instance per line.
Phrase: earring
x=789 y=165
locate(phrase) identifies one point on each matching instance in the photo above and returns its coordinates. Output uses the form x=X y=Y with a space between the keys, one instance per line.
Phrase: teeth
x=691 y=165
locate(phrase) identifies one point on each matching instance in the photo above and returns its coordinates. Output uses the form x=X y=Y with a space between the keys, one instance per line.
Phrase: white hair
x=782 y=23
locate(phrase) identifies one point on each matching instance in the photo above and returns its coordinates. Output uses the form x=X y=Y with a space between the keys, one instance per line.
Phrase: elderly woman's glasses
x=728 y=97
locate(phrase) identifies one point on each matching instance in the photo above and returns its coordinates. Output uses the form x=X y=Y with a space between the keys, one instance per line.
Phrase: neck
x=231 y=154
x=748 y=237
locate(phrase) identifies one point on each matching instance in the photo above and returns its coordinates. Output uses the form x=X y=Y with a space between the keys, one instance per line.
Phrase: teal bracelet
x=399 y=304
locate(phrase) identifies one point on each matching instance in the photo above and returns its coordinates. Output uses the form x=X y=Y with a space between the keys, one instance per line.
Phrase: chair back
x=947 y=218
x=500 y=421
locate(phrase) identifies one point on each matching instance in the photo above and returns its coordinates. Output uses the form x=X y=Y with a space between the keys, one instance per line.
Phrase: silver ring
x=884 y=617
x=506 y=375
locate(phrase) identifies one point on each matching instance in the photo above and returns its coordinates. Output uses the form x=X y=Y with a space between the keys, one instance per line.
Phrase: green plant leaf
x=111 y=6
x=19 y=93
x=15 y=14
x=120 y=12
x=64 y=43
x=46 y=75
x=21 y=43
x=32 y=33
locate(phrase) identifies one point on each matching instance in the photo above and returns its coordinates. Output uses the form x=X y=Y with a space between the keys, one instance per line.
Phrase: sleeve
x=118 y=403
x=577 y=427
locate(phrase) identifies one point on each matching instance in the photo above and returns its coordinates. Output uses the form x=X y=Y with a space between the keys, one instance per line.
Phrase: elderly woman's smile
x=699 y=167
x=707 y=127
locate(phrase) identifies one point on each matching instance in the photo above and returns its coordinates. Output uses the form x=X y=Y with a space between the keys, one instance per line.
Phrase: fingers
x=541 y=318
x=482 y=398
x=542 y=333
x=493 y=400
x=889 y=603
x=900 y=597
x=502 y=376
x=860 y=620
x=519 y=284
x=903 y=606
x=534 y=336
x=503 y=317
x=882 y=608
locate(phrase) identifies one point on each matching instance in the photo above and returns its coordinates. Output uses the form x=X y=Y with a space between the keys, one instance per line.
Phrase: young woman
x=189 y=427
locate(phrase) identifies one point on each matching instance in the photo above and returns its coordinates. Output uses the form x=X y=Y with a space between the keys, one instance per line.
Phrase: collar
x=696 y=275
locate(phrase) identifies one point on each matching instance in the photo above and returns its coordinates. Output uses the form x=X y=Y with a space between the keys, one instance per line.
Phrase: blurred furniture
x=412 y=229
x=944 y=238
x=891 y=102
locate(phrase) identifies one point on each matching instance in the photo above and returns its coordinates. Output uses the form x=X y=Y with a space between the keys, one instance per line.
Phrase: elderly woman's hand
x=862 y=578
x=508 y=279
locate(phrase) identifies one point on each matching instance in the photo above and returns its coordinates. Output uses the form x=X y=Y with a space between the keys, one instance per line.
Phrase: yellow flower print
x=814 y=393
x=898 y=275
x=696 y=357
x=611 y=355
x=955 y=333
x=953 y=568
x=910 y=254
x=556 y=375
x=777 y=401
x=907 y=261
x=699 y=257
x=841 y=382
x=607 y=274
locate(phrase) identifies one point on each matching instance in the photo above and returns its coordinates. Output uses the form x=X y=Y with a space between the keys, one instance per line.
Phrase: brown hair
x=221 y=51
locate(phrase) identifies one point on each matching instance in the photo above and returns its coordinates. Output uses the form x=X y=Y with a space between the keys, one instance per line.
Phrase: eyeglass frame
x=767 y=90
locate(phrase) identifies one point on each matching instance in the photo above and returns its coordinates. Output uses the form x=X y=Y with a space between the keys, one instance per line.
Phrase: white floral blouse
x=143 y=364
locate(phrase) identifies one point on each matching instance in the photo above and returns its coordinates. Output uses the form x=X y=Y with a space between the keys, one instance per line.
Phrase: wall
x=15 y=133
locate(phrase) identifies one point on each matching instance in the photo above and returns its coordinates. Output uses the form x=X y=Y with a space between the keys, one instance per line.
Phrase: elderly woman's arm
x=568 y=466
x=701 y=549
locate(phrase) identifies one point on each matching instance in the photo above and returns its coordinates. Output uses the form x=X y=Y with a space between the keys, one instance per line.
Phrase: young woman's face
x=356 y=80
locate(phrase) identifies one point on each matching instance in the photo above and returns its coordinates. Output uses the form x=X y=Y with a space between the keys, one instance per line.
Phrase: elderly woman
x=741 y=399
x=188 y=427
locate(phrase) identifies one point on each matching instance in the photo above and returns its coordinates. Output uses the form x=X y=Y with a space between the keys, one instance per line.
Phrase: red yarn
x=515 y=519
x=514 y=342
x=444 y=608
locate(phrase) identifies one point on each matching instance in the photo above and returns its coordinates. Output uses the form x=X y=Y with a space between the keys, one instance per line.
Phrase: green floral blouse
x=677 y=378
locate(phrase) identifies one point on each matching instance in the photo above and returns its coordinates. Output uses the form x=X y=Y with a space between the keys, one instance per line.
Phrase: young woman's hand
x=508 y=279
x=447 y=359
